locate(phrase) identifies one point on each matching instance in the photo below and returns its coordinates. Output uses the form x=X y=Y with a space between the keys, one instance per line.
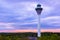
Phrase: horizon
x=33 y=31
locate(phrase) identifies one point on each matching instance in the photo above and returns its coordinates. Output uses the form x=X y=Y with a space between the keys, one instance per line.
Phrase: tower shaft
x=39 y=32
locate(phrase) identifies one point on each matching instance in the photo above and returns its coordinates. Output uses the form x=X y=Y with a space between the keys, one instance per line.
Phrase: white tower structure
x=39 y=10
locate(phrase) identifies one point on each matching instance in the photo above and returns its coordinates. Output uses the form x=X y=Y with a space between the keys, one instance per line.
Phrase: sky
x=21 y=14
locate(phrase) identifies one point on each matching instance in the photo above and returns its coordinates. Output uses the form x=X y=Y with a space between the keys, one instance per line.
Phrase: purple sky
x=21 y=14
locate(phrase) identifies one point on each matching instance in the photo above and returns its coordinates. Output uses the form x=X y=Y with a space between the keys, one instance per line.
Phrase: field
x=49 y=36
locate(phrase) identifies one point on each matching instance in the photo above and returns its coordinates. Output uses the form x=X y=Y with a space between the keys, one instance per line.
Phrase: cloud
x=23 y=15
x=51 y=22
x=24 y=7
x=4 y=26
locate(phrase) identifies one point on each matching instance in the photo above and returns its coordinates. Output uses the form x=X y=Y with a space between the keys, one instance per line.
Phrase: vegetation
x=16 y=36
x=50 y=36
x=25 y=36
